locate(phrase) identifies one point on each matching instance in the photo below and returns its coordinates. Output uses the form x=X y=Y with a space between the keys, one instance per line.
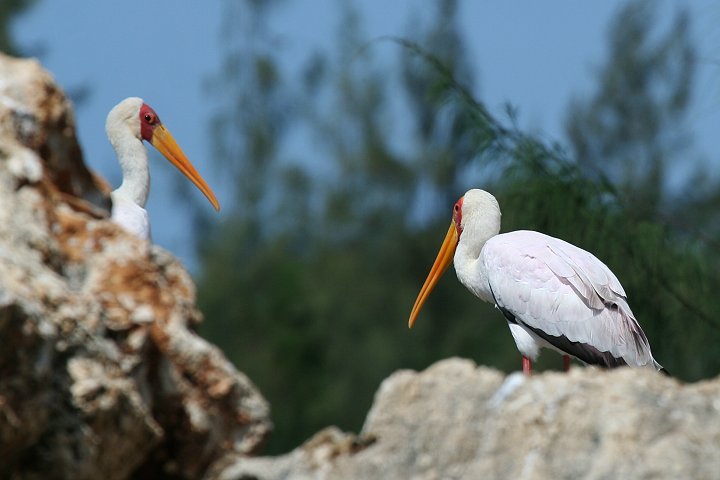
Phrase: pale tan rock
x=102 y=375
x=458 y=421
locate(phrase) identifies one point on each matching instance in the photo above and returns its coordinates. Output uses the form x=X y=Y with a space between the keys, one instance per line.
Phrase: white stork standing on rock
x=552 y=293
x=128 y=124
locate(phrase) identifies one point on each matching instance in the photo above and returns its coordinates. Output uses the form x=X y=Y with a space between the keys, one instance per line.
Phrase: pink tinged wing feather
x=563 y=290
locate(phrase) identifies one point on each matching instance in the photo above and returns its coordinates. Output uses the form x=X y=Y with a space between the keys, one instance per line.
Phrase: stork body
x=552 y=293
x=127 y=125
x=130 y=215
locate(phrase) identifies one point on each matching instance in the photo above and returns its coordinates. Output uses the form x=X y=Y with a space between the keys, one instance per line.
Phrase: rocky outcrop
x=101 y=373
x=458 y=421
x=103 y=377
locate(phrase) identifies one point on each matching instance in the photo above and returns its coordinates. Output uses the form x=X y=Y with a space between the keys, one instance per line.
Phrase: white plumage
x=552 y=293
x=123 y=130
x=131 y=216
x=127 y=125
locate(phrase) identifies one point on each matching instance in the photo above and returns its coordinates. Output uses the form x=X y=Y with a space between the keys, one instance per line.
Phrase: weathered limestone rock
x=458 y=421
x=101 y=373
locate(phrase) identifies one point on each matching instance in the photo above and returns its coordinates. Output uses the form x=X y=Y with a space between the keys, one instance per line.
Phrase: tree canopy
x=308 y=284
x=9 y=9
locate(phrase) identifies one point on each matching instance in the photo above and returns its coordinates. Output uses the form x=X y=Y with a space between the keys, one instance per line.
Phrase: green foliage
x=8 y=10
x=308 y=286
x=631 y=130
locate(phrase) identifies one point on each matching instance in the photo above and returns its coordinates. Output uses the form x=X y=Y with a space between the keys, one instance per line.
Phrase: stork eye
x=456 y=207
x=149 y=118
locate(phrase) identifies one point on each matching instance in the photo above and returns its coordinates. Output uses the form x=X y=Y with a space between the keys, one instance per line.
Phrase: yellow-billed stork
x=128 y=124
x=552 y=293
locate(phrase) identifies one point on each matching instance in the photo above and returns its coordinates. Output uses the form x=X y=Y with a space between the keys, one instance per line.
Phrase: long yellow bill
x=442 y=262
x=166 y=144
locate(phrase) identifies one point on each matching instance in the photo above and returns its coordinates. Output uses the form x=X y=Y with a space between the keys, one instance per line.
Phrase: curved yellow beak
x=442 y=262
x=166 y=144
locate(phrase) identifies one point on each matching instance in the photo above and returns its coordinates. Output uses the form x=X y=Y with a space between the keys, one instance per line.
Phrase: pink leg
x=566 y=363
x=527 y=364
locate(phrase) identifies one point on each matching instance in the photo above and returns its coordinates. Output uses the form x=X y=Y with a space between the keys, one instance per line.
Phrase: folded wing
x=566 y=296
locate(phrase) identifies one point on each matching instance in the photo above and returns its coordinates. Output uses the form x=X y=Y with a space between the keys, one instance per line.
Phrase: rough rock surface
x=458 y=421
x=101 y=373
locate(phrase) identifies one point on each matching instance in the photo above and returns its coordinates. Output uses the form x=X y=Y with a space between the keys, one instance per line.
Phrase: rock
x=458 y=421
x=102 y=373
x=35 y=113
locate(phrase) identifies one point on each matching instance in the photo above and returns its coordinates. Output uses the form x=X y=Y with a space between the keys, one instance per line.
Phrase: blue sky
x=535 y=55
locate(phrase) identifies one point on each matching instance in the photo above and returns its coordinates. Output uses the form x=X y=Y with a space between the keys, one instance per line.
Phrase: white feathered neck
x=123 y=130
x=480 y=222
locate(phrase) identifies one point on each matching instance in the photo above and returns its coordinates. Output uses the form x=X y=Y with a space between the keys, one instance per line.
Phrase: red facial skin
x=148 y=122
x=457 y=216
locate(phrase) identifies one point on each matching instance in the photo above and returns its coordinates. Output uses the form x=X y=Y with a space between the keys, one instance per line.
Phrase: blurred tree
x=632 y=128
x=632 y=131
x=308 y=284
x=318 y=300
x=446 y=127
x=9 y=9
x=631 y=135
